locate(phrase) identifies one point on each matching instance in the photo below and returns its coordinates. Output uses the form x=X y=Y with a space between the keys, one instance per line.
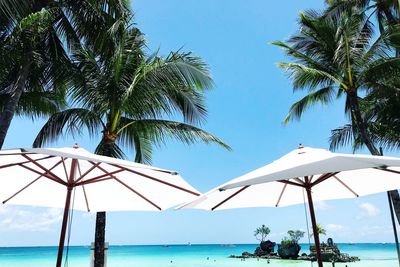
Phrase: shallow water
x=183 y=256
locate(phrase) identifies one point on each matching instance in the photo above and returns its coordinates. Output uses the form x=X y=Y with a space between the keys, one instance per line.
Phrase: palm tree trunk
x=359 y=122
x=100 y=231
x=12 y=103
x=362 y=128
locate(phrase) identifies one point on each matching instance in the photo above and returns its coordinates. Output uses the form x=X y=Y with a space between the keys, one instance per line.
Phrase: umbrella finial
x=75 y=146
x=300 y=146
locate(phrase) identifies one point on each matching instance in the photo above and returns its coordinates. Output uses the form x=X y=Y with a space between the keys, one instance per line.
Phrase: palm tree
x=379 y=107
x=126 y=96
x=33 y=70
x=335 y=57
x=320 y=230
x=36 y=37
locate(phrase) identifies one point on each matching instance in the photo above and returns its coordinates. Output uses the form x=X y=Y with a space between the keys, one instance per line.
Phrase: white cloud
x=368 y=210
x=29 y=220
x=334 y=227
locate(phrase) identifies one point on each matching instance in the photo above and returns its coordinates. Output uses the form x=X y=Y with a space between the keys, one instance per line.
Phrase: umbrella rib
x=299 y=180
x=388 y=170
x=91 y=181
x=127 y=186
x=98 y=178
x=29 y=184
x=22 y=189
x=137 y=193
x=157 y=180
x=231 y=196
x=88 y=171
x=41 y=167
x=281 y=194
x=55 y=179
x=18 y=154
x=345 y=185
x=290 y=182
x=65 y=168
x=323 y=178
x=24 y=162
x=86 y=199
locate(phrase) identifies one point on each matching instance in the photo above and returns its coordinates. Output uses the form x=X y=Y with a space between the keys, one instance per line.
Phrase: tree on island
x=295 y=236
x=289 y=247
x=266 y=246
x=261 y=233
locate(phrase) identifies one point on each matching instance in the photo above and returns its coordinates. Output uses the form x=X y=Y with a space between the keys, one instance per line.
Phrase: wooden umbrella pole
x=394 y=226
x=314 y=225
x=71 y=179
x=64 y=227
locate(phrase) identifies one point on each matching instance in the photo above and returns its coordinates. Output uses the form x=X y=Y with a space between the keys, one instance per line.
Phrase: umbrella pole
x=71 y=178
x=314 y=226
x=394 y=226
x=64 y=227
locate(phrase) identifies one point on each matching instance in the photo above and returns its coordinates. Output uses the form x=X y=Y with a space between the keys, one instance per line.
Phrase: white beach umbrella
x=51 y=177
x=323 y=175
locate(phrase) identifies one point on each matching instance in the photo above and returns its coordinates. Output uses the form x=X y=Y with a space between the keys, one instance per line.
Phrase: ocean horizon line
x=195 y=244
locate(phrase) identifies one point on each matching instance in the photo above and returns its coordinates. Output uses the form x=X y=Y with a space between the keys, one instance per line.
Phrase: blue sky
x=246 y=109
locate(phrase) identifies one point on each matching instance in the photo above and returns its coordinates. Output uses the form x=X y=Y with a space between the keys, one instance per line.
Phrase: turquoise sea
x=372 y=255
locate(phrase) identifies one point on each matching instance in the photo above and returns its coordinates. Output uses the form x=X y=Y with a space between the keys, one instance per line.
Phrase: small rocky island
x=289 y=248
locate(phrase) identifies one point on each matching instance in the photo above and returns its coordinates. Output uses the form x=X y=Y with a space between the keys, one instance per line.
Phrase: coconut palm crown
x=337 y=56
x=127 y=95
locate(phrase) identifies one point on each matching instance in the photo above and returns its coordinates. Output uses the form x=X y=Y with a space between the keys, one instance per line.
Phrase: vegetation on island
x=293 y=237
x=262 y=232
x=289 y=248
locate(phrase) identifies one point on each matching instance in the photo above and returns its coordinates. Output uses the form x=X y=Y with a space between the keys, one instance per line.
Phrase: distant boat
x=189 y=244
x=228 y=245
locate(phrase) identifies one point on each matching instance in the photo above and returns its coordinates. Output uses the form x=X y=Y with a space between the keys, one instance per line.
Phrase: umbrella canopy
x=321 y=174
x=51 y=177
x=281 y=183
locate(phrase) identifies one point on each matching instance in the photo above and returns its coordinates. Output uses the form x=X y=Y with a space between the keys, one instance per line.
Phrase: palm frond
x=141 y=133
x=322 y=96
x=40 y=104
x=71 y=121
x=341 y=137
x=174 y=83
x=307 y=77
x=383 y=69
x=143 y=148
